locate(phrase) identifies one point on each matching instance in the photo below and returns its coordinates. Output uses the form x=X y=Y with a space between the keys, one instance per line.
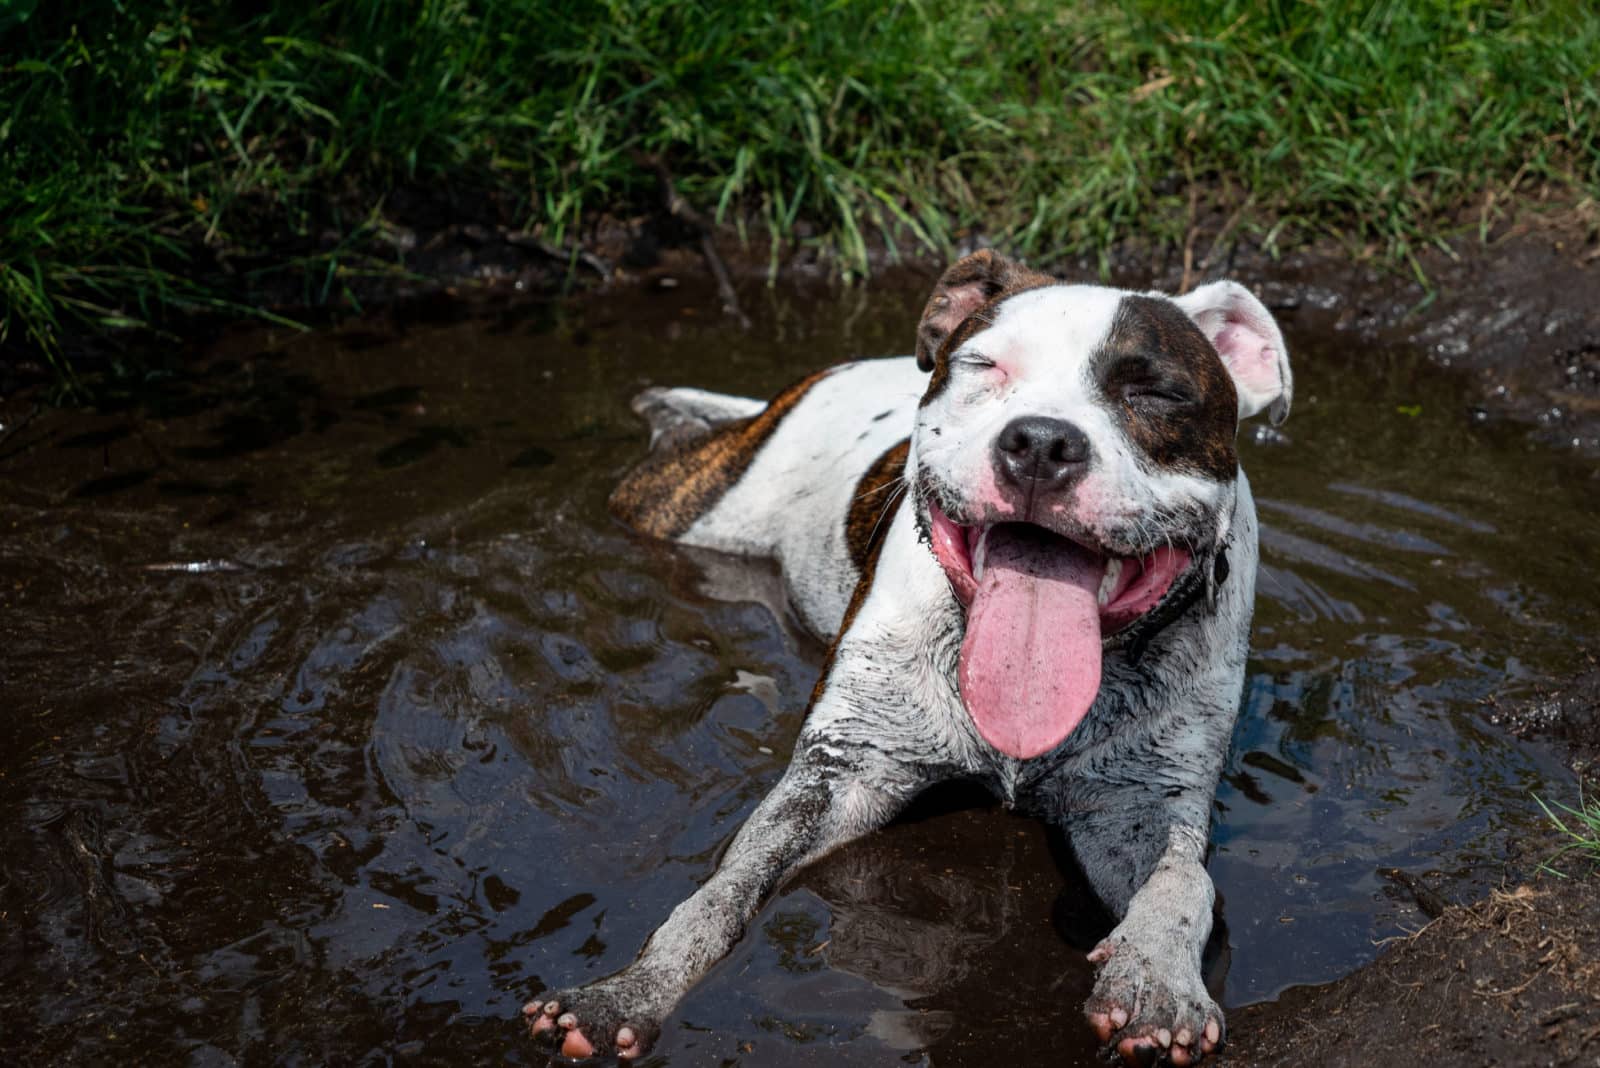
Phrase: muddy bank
x=1567 y=713
x=1511 y=980
x=1515 y=314
x=1511 y=309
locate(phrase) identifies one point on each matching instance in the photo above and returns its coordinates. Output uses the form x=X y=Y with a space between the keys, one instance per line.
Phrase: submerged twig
x=679 y=208
x=195 y=567
x=1188 y=239
x=523 y=239
x=1223 y=234
x=1430 y=901
x=9 y=432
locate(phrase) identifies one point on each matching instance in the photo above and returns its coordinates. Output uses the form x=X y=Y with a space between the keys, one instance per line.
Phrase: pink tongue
x=1030 y=664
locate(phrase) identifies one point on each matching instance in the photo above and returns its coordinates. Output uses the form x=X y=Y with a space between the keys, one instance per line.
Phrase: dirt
x=1509 y=304
x=1511 y=308
x=1567 y=713
x=1511 y=980
x=1515 y=313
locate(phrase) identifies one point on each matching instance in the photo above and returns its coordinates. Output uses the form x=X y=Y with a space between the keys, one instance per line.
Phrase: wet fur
x=1131 y=787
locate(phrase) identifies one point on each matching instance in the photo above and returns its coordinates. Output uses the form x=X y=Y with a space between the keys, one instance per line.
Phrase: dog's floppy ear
x=969 y=284
x=1249 y=342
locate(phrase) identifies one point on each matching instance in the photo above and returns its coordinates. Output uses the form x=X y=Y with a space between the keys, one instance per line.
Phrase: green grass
x=157 y=155
x=1580 y=827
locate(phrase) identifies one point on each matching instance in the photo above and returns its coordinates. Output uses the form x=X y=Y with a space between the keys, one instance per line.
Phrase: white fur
x=1042 y=344
x=794 y=499
x=1132 y=785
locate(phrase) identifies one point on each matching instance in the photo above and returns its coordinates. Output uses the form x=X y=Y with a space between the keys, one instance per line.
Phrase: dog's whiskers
x=900 y=487
x=891 y=484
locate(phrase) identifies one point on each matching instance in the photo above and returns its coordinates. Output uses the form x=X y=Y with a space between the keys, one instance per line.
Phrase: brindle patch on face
x=1169 y=388
x=871 y=506
x=681 y=482
x=981 y=319
x=969 y=290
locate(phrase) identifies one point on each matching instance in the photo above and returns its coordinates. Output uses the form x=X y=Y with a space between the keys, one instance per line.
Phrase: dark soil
x=1513 y=308
x=1516 y=313
x=1512 y=980
x=1568 y=714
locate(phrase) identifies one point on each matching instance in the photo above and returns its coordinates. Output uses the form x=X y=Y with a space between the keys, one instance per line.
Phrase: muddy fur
x=1131 y=787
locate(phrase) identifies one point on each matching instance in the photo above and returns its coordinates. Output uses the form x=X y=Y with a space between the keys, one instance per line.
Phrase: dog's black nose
x=1036 y=448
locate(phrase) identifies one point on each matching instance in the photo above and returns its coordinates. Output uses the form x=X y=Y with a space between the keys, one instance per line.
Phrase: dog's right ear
x=966 y=286
x=1249 y=342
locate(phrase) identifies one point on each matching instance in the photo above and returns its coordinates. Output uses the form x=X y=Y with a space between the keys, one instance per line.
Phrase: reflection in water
x=440 y=734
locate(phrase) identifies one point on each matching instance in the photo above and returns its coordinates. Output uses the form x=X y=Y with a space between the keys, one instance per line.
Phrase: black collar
x=1195 y=582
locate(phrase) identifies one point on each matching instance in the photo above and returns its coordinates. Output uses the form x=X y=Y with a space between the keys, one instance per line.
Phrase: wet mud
x=1565 y=712
x=341 y=719
x=1507 y=301
x=1514 y=314
x=1509 y=980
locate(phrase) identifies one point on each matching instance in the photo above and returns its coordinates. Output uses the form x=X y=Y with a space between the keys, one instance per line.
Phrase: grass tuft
x=149 y=147
x=1581 y=828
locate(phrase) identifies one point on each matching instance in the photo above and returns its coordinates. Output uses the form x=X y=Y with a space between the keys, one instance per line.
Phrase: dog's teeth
x=1109 y=582
x=979 y=551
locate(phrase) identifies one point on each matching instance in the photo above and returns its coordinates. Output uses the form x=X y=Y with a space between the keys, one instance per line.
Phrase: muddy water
x=339 y=719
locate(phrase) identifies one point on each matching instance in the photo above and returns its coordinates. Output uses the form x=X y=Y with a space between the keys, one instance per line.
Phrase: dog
x=1035 y=554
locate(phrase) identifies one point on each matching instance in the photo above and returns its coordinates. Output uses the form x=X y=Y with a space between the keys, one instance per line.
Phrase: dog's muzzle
x=1041 y=608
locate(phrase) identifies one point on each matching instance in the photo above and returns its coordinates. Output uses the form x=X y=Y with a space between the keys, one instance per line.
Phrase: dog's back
x=810 y=479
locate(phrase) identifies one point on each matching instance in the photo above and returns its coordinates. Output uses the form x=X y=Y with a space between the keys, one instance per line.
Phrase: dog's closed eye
x=1158 y=393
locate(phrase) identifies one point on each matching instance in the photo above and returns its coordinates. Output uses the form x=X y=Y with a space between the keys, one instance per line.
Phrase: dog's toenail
x=625 y=1037
x=1119 y=1017
x=568 y=1021
x=1164 y=1037
x=1213 y=1032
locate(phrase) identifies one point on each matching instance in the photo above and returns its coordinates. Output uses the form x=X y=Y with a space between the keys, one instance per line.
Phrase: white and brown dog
x=1046 y=586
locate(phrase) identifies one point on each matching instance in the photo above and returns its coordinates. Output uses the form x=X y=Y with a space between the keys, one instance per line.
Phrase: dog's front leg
x=829 y=795
x=1142 y=846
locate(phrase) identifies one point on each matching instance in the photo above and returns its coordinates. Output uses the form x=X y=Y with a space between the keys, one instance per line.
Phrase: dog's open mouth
x=1037 y=606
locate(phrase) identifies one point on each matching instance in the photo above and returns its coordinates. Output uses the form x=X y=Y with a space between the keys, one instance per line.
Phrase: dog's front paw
x=592 y=1021
x=1151 y=1011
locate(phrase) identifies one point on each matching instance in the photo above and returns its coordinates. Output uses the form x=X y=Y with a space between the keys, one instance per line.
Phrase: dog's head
x=1075 y=471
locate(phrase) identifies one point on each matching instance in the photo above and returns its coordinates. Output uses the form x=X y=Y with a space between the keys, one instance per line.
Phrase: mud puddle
x=340 y=719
